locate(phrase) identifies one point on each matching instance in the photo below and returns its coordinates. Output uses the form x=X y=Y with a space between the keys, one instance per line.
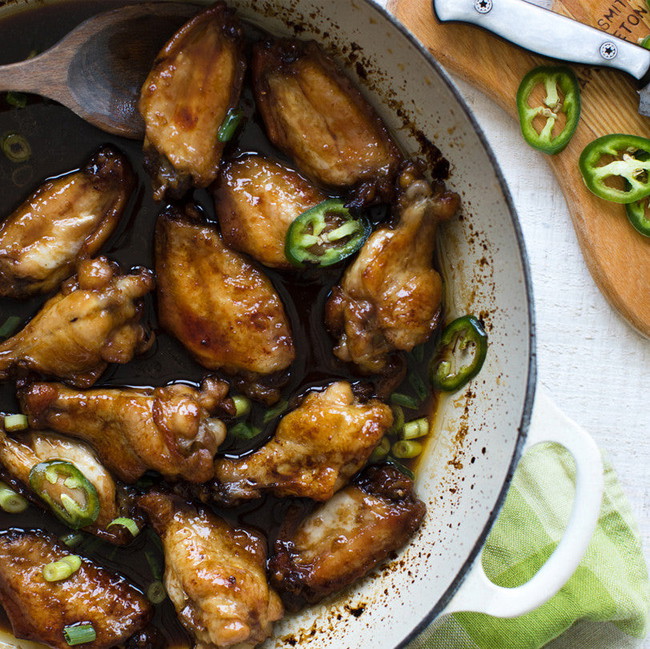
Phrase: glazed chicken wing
x=40 y=610
x=108 y=501
x=313 y=113
x=169 y=429
x=256 y=201
x=195 y=81
x=389 y=297
x=223 y=309
x=92 y=321
x=66 y=220
x=214 y=574
x=346 y=537
x=315 y=450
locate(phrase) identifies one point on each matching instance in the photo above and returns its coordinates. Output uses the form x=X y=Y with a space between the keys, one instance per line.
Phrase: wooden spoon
x=97 y=70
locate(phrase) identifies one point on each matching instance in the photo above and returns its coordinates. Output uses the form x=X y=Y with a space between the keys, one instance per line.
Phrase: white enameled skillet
x=479 y=433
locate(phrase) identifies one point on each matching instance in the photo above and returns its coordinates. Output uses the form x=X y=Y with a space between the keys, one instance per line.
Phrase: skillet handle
x=545 y=32
x=477 y=593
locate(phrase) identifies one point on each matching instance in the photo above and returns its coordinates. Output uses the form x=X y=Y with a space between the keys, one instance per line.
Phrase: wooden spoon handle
x=40 y=75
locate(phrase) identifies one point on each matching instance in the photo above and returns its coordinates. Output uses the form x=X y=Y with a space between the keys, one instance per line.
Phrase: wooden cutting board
x=616 y=255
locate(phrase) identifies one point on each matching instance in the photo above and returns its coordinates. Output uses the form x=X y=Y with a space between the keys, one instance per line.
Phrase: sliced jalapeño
x=325 y=235
x=460 y=354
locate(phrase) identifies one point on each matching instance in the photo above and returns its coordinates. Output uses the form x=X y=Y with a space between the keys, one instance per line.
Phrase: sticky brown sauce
x=61 y=142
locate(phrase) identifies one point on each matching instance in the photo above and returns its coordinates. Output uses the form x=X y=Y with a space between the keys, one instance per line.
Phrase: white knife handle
x=547 y=33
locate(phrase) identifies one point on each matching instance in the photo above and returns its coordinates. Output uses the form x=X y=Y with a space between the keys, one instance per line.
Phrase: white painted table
x=594 y=365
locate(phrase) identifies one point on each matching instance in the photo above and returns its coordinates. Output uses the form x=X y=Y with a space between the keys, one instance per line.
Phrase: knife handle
x=547 y=33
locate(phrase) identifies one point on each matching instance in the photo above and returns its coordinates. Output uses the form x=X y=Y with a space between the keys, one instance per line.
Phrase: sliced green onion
x=242 y=430
x=381 y=451
x=415 y=379
x=9 y=326
x=416 y=428
x=155 y=540
x=404 y=400
x=418 y=385
x=22 y=175
x=92 y=545
x=156 y=592
x=72 y=540
x=16 y=147
x=10 y=501
x=62 y=569
x=276 y=411
x=242 y=405
x=129 y=523
x=13 y=423
x=16 y=99
x=398 y=421
x=230 y=124
x=155 y=565
x=75 y=634
x=406 y=449
x=418 y=353
x=400 y=467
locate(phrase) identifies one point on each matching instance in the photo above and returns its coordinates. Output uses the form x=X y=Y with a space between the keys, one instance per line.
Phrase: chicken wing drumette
x=214 y=574
x=66 y=220
x=346 y=537
x=170 y=429
x=389 y=297
x=93 y=321
x=315 y=450
x=221 y=307
x=194 y=83
x=102 y=499
x=256 y=200
x=313 y=113
x=39 y=610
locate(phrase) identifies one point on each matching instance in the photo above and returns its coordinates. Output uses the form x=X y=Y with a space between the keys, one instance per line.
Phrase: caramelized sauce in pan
x=61 y=142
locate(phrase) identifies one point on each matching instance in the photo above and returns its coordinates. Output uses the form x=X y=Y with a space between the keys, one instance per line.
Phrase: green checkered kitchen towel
x=605 y=604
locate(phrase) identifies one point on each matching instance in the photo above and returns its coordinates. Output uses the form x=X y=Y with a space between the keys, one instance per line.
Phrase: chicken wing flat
x=223 y=309
x=66 y=220
x=389 y=298
x=105 y=501
x=94 y=320
x=194 y=83
x=40 y=610
x=214 y=574
x=345 y=538
x=168 y=429
x=313 y=113
x=315 y=450
x=256 y=201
